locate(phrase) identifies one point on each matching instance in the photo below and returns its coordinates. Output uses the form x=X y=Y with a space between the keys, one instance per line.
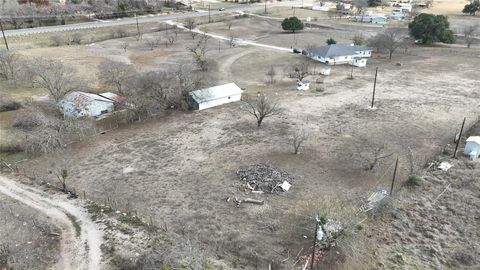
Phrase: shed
x=80 y=104
x=303 y=85
x=472 y=148
x=214 y=96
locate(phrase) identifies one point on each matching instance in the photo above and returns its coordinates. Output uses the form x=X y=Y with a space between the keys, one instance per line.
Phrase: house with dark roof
x=341 y=54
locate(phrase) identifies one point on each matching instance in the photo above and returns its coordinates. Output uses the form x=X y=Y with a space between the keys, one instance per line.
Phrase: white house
x=303 y=85
x=80 y=104
x=214 y=96
x=472 y=148
x=341 y=54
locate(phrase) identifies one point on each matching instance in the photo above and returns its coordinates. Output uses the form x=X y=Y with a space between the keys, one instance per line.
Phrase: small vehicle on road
x=221 y=9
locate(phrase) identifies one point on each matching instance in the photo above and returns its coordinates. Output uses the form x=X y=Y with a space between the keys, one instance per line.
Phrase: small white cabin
x=214 y=96
x=303 y=85
x=472 y=148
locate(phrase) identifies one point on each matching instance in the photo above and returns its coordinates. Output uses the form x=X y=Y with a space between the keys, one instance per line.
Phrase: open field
x=179 y=169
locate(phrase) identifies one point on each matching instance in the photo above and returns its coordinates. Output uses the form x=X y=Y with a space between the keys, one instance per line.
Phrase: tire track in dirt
x=80 y=237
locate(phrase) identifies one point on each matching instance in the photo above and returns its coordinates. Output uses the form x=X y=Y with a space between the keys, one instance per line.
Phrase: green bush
x=414 y=181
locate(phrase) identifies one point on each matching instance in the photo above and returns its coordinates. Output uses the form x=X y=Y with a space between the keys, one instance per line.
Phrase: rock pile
x=263 y=178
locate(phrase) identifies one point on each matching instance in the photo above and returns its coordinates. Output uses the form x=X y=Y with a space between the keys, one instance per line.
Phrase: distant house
x=472 y=148
x=214 y=96
x=341 y=54
x=371 y=19
x=80 y=104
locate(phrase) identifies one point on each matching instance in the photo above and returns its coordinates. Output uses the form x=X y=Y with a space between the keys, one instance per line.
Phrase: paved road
x=124 y=21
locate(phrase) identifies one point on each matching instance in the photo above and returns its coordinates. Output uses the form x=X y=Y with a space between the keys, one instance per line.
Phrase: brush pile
x=263 y=178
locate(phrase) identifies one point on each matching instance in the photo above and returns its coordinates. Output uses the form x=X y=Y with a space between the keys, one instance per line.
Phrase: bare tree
x=62 y=175
x=10 y=65
x=199 y=52
x=190 y=24
x=469 y=33
x=261 y=108
x=151 y=93
x=390 y=40
x=371 y=154
x=115 y=73
x=124 y=46
x=152 y=43
x=54 y=76
x=229 y=25
x=271 y=73
x=298 y=138
x=170 y=39
x=193 y=34
x=407 y=43
x=299 y=71
x=231 y=41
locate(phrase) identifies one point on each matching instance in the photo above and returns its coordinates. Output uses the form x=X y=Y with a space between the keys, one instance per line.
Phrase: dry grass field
x=27 y=236
x=179 y=169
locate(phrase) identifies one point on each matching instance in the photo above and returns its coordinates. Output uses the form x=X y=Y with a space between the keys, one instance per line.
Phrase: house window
x=228 y=97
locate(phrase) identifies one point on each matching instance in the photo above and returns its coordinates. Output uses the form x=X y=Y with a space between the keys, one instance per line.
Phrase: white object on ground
x=445 y=166
x=285 y=185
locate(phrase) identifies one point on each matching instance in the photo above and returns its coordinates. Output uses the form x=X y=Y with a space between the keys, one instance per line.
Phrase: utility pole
x=3 y=33
x=138 y=27
x=293 y=12
x=265 y=6
x=459 y=138
x=209 y=18
x=394 y=174
x=374 y=85
x=351 y=73
x=314 y=241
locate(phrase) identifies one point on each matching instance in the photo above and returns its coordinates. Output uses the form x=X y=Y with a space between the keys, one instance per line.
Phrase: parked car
x=295 y=50
x=221 y=9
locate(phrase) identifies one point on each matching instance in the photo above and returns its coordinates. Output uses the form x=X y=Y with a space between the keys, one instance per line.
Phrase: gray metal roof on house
x=216 y=92
x=334 y=50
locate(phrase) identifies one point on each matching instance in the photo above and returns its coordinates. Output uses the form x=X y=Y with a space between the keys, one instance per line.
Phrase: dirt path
x=81 y=238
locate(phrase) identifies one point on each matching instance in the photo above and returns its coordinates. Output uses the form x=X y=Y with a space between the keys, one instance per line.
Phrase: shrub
x=28 y=120
x=57 y=40
x=77 y=38
x=414 y=181
x=331 y=41
x=11 y=149
x=360 y=227
x=9 y=106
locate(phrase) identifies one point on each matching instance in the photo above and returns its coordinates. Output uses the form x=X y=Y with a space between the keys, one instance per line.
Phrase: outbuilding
x=214 y=96
x=80 y=104
x=472 y=148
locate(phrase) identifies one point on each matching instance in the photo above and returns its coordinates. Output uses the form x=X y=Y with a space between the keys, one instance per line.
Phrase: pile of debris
x=263 y=178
